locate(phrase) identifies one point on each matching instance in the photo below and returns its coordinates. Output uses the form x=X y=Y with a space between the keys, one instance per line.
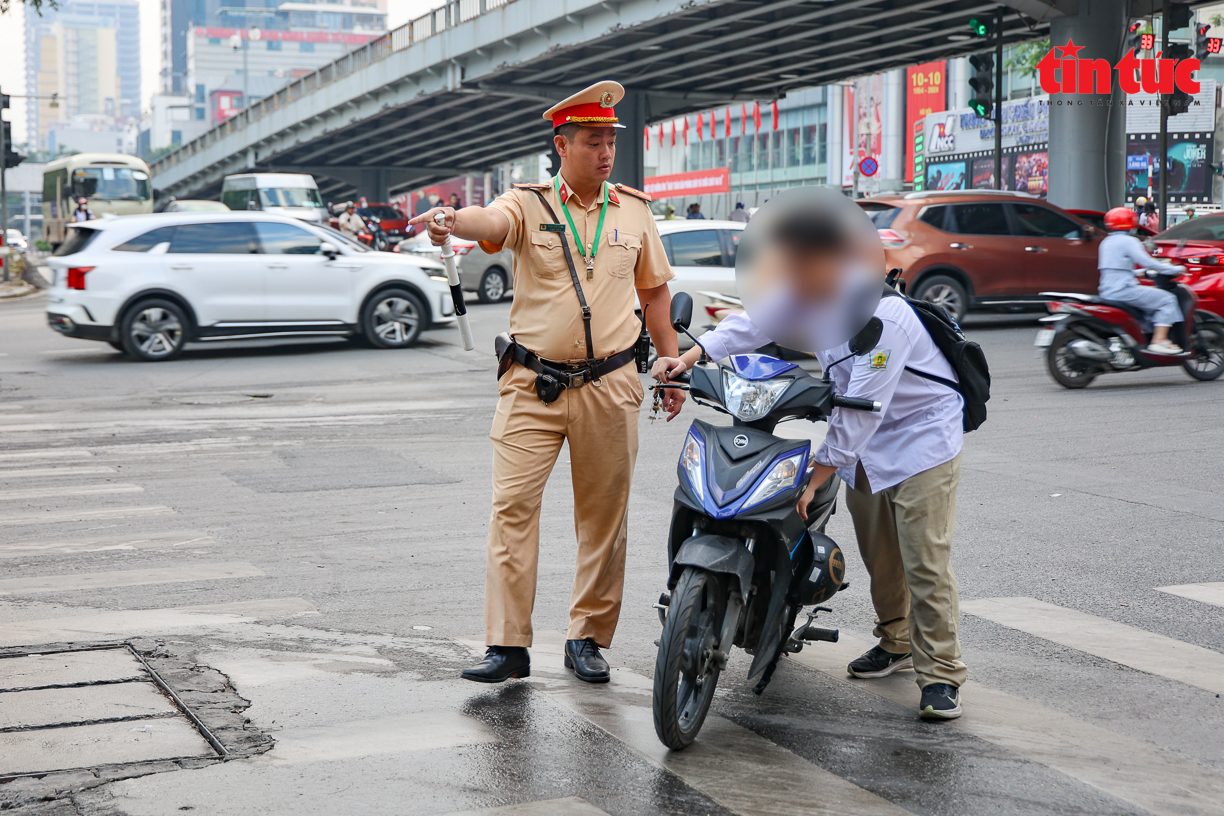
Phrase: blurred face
x=588 y=158
x=814 y=276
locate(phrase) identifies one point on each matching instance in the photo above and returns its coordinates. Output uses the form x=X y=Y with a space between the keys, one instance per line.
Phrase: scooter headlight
x=748 y=399
x=782 y=476
x=691 y=461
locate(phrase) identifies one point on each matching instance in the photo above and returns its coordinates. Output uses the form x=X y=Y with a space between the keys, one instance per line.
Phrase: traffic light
x=980 y=28
x=1179 y=100
x=982 y=83
x=11 y=157
x=1205 y=46
x=1179 y=16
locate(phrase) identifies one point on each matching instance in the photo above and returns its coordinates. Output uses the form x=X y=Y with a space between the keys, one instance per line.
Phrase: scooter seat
x=1133 y=311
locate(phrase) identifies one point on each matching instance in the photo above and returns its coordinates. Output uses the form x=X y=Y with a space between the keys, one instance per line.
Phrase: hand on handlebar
x=667 y=369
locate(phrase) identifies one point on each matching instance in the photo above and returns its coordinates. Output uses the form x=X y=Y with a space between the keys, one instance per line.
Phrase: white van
x=293 y=194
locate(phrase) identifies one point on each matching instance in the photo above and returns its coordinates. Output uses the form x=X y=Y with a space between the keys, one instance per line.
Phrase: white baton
x=452 y=276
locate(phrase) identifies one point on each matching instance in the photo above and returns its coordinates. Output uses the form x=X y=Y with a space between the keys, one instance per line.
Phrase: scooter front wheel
x=1207 y=361
x=687 y=668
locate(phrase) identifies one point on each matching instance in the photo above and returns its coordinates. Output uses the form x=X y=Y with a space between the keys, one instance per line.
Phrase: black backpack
x=965 y=356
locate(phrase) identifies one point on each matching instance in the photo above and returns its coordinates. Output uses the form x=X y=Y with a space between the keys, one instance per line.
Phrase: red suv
x=973 y=249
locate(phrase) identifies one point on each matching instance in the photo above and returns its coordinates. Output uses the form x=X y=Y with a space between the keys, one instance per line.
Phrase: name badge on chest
x=552 y=228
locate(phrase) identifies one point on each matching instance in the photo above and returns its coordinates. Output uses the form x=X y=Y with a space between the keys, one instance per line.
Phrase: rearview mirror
x=329 y=249
x=681 y=311
x=867 y=337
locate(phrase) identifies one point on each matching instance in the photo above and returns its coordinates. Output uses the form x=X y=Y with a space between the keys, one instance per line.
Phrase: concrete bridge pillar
x=630 y=166
x=375 y=184
x=1087 y=132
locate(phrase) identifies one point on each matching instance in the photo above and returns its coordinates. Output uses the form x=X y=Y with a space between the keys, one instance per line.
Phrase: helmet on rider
x=1121 y=219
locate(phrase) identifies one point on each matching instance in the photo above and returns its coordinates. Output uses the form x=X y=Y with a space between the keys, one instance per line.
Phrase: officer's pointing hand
x=437 y=232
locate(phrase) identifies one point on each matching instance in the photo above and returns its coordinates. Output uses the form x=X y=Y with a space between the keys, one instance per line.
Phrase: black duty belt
x=572 y=375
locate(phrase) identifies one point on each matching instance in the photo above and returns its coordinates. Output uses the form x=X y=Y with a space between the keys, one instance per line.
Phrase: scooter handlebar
x=856 y=403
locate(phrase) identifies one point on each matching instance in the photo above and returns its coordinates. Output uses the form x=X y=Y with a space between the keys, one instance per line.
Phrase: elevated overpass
x=461 y=89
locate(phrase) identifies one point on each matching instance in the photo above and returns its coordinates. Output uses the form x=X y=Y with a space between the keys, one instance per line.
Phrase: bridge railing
x=449 y=15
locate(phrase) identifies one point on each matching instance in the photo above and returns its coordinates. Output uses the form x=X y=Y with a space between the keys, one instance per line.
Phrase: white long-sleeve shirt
x=1117 y=258
x=920 y=424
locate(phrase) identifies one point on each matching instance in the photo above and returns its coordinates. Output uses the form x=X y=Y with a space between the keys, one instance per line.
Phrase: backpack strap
x=891 y=292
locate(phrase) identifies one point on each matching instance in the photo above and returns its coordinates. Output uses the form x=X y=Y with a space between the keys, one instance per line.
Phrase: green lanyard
x=590 y=261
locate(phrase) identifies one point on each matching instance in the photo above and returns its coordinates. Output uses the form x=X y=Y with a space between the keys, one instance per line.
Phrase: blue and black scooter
x=743 y=563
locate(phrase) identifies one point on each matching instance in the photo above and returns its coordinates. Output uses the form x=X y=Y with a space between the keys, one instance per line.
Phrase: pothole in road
x=77 y=715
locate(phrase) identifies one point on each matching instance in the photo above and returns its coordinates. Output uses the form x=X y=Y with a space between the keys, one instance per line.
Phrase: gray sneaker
x=879 y=663
x=940 y=701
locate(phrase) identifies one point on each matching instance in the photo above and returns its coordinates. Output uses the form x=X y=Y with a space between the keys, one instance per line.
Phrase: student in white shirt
x=901 y=465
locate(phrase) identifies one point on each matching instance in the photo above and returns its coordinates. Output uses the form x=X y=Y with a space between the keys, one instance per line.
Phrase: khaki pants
x=905 y=536
x=601 y=425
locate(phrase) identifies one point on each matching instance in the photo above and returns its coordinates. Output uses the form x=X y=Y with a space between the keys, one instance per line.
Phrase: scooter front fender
x=714 y=553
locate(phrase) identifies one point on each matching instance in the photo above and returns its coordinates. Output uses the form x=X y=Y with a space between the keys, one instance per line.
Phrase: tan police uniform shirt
x=545 y=316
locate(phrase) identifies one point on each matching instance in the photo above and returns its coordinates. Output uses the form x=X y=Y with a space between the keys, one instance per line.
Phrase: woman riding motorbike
x=1117 y=258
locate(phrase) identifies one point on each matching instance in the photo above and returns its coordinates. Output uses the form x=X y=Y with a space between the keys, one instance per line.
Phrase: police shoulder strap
x=569 y=260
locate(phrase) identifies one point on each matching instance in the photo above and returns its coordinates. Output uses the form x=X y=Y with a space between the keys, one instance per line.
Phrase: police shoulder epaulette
x=528 y=185
x=624 y=188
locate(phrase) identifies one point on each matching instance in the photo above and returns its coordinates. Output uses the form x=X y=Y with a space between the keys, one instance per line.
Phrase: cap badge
x=605 y=101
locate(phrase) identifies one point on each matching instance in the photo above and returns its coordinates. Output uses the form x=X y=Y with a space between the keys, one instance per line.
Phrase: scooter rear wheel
x=1066 y=369
x=686 y=671
x=1207 y=362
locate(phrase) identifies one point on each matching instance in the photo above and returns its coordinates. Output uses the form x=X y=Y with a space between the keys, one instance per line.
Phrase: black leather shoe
x=588 y=664
x=500 y=664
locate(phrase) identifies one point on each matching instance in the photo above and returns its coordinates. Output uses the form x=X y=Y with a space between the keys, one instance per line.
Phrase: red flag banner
x=756 y=116
x=660 y=134
x=713 y=132
x=700 y=128
x=727 y=121
x=680 y=185
x=773 y=110
x=673 y=144
x=646 y=136
x=743 y=118
x=686 y=131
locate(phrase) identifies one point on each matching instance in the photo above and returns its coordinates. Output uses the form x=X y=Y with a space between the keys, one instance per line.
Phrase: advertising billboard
x=925 y=92
x=1190 y=174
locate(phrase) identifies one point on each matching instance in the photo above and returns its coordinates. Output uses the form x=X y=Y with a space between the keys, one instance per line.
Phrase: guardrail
x=427 y=25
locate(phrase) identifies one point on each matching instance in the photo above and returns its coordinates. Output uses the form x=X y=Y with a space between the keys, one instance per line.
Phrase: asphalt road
x=309 y=521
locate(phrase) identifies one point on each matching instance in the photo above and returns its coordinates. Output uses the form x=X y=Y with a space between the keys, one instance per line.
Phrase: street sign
x=869 y=166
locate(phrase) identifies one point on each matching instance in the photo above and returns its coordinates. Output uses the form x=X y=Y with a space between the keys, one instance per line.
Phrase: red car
x=390 y=220
x=1204 y=262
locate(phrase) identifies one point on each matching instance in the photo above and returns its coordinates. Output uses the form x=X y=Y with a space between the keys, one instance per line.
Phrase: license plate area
x=1044 y=338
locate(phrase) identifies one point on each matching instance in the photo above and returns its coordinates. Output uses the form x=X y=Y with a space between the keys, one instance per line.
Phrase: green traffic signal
x=979 y=28
x=979 y=107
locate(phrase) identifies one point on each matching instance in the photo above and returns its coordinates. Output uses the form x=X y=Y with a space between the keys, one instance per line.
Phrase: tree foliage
x=1025 y=56
x=35 y=5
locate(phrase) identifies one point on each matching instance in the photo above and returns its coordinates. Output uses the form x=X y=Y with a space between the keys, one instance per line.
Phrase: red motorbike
x=1086 y=336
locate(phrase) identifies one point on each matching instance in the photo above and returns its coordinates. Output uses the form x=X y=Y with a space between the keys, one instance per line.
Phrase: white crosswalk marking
x=46 y=453
x=26 y=473
x=1207 y=593
x=126 y=578
x=61 y=516
x=1137 y=648
x=423 y=731
x=1116 y=764
x=768 y=779
x=114 y=625
x=132 y=541
x=68 y=490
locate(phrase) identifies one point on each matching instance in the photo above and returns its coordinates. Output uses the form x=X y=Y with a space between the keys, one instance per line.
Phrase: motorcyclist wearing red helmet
x=1117 y=258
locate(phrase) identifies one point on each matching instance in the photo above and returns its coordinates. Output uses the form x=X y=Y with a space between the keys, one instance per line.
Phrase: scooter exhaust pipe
x=1089 y=350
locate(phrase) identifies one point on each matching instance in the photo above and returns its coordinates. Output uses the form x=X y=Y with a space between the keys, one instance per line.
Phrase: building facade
x=87 y=55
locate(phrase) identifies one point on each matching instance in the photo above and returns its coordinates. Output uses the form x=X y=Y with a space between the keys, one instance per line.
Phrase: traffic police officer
x=581 y=247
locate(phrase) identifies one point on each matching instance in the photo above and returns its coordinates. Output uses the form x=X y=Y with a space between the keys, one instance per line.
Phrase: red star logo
x=1070 y=50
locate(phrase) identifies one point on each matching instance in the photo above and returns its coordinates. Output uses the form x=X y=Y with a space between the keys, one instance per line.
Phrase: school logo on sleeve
x=879 y=359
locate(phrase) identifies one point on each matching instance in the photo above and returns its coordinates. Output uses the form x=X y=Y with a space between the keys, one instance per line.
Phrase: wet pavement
x=302 y=527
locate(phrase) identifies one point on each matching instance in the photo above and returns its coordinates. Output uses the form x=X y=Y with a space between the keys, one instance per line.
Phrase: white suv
x=148 y=284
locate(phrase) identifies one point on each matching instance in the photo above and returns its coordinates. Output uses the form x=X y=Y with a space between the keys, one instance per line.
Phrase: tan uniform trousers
x=905 y=536
x=601 y=425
